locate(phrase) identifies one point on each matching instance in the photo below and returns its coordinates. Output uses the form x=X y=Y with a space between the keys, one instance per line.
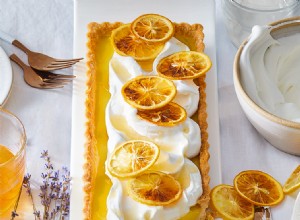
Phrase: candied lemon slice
x=230 y=205
x=154 y=188
x=184 y=65
x=148 y=92
x=152 y=28
x=293 y=182
x=259 y=188
x=169 y=115
x=132 y=158
x=127 y=44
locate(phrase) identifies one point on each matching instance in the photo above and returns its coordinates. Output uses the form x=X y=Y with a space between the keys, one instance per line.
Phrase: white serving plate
x=190 y=11
x=6 y=77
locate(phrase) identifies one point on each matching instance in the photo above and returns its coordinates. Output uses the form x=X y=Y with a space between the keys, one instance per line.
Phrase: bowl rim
x=237 y=4
x=238 y=86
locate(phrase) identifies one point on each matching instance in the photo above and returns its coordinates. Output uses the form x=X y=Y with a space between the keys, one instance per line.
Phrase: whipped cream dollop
x=270 y=72
x=122 y=206
x=176 y=143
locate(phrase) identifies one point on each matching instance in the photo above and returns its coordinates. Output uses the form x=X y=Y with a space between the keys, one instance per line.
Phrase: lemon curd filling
x=104 y=53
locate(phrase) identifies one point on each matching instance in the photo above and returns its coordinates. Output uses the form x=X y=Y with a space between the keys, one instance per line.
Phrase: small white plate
x=6 y=77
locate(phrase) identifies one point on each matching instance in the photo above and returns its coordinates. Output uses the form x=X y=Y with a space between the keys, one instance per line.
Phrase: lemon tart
x=116 y=119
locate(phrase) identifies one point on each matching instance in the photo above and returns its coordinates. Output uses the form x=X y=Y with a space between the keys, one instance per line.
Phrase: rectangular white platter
x=190 y=11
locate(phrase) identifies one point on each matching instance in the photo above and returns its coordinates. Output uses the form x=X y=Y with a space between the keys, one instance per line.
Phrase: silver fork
x=40 y=61
x=39 y=79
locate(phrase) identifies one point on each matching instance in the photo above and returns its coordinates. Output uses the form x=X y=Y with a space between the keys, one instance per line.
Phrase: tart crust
x=192 y=36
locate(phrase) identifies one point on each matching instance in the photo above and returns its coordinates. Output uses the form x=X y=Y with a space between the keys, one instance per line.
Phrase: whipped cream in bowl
x=267 y=82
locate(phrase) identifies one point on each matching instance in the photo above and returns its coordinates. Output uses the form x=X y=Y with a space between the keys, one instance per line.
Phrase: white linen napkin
x=45 y=26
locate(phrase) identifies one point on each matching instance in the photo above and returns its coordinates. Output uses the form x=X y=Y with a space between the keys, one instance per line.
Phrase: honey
x=11 y=178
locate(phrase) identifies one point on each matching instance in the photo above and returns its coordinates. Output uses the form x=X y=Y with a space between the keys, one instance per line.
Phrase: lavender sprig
x=54 y=192
x=14 y=213
x=45 y=197
x=27 y=186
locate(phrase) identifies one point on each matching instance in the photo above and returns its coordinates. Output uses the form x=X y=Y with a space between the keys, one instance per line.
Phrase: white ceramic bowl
x=281 y=133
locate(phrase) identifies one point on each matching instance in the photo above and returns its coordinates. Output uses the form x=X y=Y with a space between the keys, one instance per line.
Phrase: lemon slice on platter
x=131 y=158
x=184 y=65
x=258 y=188
x=152 y=28
x=170 y=115
x=154 y=188
x=127 y=44
x=230 y=205
x=293 y=182
x=148 y=92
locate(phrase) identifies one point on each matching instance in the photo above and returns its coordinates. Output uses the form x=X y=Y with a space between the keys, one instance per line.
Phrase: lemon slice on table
x=169 y=115
x=148 y=92
x=258 y=188
x=293 y=182
x=152 y=28
x=154 y=188
x=127 y=44
x=230 y=205
x=184 y=65
x=132 y=158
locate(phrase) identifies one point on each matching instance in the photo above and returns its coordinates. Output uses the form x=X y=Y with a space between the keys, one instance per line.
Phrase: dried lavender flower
x=14 y=214
x=54 y=192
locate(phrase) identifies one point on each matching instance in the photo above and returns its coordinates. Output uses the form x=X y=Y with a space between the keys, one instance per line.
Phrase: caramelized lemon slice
x=293 y=182
x=154 y=188
x=169 y=115
x=152 y=28
x=127 y=44
x=230 y=205
x=184 y=65
x=148 y=92
x=258 y=188
x=132 y=158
